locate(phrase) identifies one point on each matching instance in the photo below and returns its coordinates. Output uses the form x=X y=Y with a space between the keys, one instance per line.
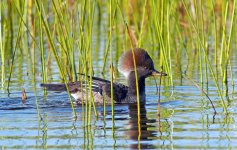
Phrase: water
x=187 y=122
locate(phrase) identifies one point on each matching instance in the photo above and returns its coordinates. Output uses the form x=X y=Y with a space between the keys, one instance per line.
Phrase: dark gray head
x=144 y=64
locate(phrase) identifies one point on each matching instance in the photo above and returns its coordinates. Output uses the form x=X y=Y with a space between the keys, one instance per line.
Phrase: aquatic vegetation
x=55 y=41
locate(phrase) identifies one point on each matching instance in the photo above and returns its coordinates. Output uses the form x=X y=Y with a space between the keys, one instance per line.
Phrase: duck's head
x=144 y=64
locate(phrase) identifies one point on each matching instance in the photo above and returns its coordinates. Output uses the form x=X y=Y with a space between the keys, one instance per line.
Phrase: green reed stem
x=111 y=70
x=203 y=39
x=198 y=45
x=106 y=55
x=14 y=53
x=91 y=68
x=230 y=33
x=42 y=50
x=83 y=63
x=88 y=56
x=1 y=48
x=45 y=130
x=34 y=71
x=138 y=96
x=158 y=31
x=168 y=42
x=36 y=100
x=91 y=15
x=108 y=44
x=142 y=24
x=229 y=42
x=135 y=67
x=223 y=43
x=232 y=79
x=107 y=50
x=136 y=77
x=137 y=88
x=111 y=58
x=215 y=31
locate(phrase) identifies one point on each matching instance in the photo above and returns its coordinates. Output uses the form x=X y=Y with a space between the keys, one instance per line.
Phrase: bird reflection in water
x=139 y=131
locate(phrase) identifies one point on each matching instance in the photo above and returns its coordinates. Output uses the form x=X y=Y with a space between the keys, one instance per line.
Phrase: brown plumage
x=121 y=93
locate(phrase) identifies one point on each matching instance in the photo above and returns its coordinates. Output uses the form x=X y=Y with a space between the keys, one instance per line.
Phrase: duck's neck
x=132 y=90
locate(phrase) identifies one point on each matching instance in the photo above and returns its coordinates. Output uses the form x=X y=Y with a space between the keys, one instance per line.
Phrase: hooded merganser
x=101 y=88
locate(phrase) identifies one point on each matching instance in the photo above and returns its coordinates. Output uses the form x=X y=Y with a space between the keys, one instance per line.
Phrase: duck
x=101 y=88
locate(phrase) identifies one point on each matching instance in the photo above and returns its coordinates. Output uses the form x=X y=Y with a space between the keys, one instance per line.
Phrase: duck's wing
x=119 y=91
x=98 y=85
x=73 y=86
x=104 y=88
x=101 y=86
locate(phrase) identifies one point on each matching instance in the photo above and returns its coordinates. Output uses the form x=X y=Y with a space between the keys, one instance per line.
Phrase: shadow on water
x=139 y=131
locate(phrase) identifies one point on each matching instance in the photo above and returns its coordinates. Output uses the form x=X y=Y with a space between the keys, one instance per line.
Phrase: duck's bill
x=157 y=73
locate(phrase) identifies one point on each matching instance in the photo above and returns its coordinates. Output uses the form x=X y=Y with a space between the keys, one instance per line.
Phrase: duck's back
x=101 y=90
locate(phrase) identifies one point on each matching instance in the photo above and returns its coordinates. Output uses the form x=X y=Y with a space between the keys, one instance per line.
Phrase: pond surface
x=187 y=121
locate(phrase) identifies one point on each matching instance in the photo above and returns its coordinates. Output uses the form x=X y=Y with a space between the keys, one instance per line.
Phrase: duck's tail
x=54 y=86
